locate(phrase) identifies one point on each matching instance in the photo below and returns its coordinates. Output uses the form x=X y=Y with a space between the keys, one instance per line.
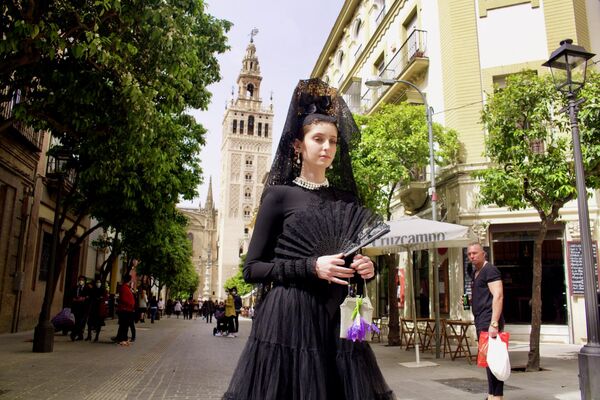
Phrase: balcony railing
x=32 y=136
x=380 y=16
x=414 y=47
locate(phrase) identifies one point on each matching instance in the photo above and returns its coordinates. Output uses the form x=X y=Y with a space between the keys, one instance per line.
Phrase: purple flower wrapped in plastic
x=360 y=328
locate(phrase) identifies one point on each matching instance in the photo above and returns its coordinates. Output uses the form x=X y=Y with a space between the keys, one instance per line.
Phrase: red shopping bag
x=482 y=347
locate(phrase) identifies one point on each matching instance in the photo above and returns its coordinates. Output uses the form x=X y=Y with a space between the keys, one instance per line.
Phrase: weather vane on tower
x=253 y=33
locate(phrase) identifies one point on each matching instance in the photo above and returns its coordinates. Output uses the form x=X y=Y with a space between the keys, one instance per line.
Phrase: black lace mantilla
x=313 y=96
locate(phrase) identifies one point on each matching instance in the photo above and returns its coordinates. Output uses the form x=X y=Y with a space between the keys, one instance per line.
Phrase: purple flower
x=359 y=329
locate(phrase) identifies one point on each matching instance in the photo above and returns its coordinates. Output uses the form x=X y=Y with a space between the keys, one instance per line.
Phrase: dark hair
x=127 y=278
x=313 y=119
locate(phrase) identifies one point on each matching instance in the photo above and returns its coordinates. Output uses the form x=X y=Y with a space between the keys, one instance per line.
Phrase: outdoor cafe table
x=425 y=333
x=457 y=330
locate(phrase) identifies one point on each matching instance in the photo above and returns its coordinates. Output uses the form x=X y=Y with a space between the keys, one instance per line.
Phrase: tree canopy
x=530 y=146
x=394 y=143
x=112 y=81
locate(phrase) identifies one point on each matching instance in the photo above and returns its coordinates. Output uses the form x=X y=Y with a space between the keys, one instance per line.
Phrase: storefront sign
x=575 y=265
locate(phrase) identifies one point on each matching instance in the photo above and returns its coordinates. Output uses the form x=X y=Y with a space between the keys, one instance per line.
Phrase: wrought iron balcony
x=30 y=135
x=408 y=62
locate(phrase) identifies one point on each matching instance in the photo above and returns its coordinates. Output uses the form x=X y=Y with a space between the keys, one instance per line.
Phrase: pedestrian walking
x=177 y=308
x=169 y=308
x=230 y=314
x=237 y=302
x=142 y=306
x=153 y=308
x=487 y=301
x=98 y=310
x=161 y=307
x=294 y=350
x=208 y=309
x=125 y=312
x=80 y=307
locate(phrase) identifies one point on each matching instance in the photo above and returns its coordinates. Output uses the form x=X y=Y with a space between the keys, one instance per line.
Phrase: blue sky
x=291 y=36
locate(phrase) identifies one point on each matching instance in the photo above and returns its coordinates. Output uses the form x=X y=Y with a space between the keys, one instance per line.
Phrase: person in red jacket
x=125 y=311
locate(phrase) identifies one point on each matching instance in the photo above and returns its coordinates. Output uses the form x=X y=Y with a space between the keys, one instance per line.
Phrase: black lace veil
x=311 y=98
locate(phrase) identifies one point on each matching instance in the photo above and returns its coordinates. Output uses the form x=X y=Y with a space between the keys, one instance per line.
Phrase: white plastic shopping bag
x=497 y=358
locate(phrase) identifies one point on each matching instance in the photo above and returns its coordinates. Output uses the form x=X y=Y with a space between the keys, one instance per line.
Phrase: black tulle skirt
x=294 y=353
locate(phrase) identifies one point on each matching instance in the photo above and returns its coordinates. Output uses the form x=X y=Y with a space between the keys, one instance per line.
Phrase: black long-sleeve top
x=279 y=203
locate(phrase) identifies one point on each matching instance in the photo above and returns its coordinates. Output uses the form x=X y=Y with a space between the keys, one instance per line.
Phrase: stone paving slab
x=180 y=359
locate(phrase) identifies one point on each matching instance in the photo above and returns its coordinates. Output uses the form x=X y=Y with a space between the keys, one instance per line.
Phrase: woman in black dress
x=294 y=351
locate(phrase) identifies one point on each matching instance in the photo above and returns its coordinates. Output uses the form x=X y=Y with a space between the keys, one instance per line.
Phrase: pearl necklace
x=310 y=185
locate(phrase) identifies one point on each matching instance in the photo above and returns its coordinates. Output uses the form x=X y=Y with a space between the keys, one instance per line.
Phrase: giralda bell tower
x=245 y=157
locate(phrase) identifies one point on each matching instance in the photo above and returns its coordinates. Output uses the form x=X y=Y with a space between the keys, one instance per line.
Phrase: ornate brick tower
x=245 y=157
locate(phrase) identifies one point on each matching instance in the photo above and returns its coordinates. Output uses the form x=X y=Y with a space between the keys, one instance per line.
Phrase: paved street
x=179 y=359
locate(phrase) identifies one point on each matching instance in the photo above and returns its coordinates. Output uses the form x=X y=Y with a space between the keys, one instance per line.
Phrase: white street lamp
x=376 y=82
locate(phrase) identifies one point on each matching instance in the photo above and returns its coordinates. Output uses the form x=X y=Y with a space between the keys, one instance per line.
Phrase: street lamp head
x=568 y=65
x=58 y=160
x=377 y=81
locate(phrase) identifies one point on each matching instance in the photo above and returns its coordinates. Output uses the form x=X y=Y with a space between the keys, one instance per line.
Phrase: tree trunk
x=393 y=317
x=533 y=361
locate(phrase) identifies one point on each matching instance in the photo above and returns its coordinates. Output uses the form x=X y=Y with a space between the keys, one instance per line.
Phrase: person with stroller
x=221 y=328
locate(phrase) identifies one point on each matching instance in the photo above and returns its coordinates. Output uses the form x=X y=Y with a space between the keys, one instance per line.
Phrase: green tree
x=530 y=149
x=238 y=281
x=166 y=253
x=394 y=143
x=112 y=81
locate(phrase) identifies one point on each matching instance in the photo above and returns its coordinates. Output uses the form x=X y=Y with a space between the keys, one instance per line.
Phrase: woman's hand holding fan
x=331 y=268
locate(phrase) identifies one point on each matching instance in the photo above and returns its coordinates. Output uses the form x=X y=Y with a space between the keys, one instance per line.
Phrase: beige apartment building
x=455 y=51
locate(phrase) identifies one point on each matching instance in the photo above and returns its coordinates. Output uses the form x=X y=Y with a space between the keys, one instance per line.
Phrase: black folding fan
x=329 y=228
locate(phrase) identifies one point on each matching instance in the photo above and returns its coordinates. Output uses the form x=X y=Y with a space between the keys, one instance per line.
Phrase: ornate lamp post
x=43 y=337
x=377 y=82
x=568 y=65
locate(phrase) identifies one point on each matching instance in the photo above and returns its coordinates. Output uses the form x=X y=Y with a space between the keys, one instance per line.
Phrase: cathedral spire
x=209 y=197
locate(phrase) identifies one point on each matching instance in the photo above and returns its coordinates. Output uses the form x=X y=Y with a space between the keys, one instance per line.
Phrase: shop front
x=511 y=248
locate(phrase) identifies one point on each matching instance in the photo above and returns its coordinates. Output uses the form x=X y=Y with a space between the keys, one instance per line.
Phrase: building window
x=248 y=193
x=251 y=125
x=266 y=130
x=245 y=229
x=250 y=89
x=249 y=162
x=410 y=28
x=379 y=7
x=260 y=129
x=357 y=28
x=340 y=58
x=248 y=177
x=234 y=126
x=379 y=65
x=241 y=127
x=45 y=256
x=352 y=96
